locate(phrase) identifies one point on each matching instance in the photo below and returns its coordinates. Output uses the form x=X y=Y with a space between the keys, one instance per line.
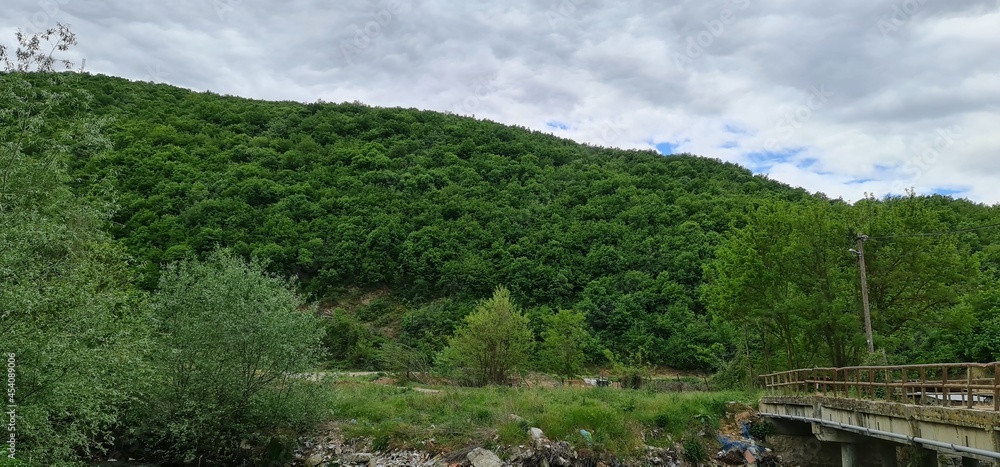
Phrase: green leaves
x=563 y=341
x=789 y=278
x=495 y=341
x=229 y=338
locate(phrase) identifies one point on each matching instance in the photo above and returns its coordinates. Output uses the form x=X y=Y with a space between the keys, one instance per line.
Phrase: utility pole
x=864 y=290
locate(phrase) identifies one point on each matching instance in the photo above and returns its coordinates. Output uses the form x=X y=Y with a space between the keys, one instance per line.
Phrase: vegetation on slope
x=432 y=205
x=116 y=196
x=441 y=209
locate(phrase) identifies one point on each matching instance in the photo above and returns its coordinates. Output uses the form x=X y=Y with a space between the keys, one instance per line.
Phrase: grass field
x=621 y=422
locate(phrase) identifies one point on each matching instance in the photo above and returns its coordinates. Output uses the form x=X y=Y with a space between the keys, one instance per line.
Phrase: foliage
x=457 y=417
x=408 y=363
x=349 y=342
x=631 y=370
x=685 y=259
x=30 y=54
x=494 y=341
x=789 y=279
x=761 y=428
x=563 y=341
x=230 y=337
x=695 y=450
x=434 y=207
x=77 y=334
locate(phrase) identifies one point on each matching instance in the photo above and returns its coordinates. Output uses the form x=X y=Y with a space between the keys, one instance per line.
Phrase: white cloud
x=622 y=74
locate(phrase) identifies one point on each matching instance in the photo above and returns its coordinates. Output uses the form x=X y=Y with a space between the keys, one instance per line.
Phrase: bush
x=761 y=429
x=229 y=339
x=563 y=341
x=349 y=342
x=695 y=450
x=495 y=341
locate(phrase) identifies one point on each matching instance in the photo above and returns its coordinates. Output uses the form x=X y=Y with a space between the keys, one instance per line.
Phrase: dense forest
x=669 y=257
x=433 y=207
x=147 y=227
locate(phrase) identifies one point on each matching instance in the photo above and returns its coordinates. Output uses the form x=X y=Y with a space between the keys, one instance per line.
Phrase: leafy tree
x=563 y=340
x=495 y=340
x=76 y=335
x=30 y=54
x=230 y=337
x=349 y=342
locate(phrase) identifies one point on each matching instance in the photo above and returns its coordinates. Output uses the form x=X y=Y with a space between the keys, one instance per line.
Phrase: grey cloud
x=583 y=62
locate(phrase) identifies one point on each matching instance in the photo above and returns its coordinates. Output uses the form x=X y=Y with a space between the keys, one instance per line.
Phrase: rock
x=314 y=460
x=358 y=458
x=480 y=457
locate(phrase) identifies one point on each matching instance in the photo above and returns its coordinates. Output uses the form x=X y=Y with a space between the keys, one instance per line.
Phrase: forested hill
x=431 y=204
x=440 y=209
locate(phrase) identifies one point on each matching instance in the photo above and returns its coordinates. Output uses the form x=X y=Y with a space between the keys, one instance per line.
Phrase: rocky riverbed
x=330 y=448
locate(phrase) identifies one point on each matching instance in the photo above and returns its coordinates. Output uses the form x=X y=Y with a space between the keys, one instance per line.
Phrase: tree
x=563 y=340
x=30 y=55
x=69 y=324
x=229 y=339
x=495 y=340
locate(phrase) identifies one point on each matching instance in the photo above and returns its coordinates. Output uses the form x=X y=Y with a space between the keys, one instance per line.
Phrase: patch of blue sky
x=730 y=128
x=557 y=125
x=766 y=159
x=667 y=148
x=949 y=191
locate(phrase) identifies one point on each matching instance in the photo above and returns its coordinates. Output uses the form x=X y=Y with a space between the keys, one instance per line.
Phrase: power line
x=937 y=234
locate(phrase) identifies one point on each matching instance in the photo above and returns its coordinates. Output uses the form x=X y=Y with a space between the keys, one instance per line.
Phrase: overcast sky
x=842 y=97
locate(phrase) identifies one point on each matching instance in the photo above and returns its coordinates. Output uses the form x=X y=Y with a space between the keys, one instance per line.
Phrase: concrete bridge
x=862 y=415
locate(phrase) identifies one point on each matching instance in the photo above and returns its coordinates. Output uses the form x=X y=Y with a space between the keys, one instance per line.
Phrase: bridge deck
x=951 y=408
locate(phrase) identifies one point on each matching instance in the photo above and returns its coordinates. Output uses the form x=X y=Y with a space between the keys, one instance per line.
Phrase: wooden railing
x=976 y=385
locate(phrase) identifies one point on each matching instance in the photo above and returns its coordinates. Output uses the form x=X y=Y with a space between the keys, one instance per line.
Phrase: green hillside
x=173 y=264
x=116 y=196
x=429 y=204
x=432 y=211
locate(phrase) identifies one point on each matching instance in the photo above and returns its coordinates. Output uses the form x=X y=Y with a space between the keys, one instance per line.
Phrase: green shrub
x=761 y=429
x=349 y=343
x=494 y=342
x=695 y=450
x=229 y=337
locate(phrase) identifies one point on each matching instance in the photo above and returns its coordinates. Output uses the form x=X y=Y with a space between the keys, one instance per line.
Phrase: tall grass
x=620 y=421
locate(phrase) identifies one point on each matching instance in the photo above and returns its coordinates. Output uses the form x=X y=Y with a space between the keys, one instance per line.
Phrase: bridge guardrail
x=977 y=385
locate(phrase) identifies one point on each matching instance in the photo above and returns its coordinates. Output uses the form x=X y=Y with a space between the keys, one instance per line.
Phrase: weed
x=619 y=421
x=695 y=450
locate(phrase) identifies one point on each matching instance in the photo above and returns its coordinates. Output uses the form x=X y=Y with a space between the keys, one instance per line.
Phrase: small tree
x=563 y=340
x=495 y=339
x=230 y=337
